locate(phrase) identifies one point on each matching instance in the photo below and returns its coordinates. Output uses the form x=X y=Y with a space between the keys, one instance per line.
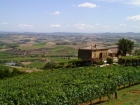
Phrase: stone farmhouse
x=94 y=52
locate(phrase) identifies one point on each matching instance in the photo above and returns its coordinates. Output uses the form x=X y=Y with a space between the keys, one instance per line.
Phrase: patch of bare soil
x=25 y=63
x=23 y=45
x=135 y=91
x=50 y=43
x=96 y=101
x=32 y=70
x=1 y=50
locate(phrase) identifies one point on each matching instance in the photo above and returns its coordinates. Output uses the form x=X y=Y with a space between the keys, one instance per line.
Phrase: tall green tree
x=125 y=46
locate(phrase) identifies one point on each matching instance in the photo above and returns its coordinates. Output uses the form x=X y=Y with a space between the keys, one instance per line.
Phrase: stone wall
x=97 y=54
x=84 y=54
x=100 y=54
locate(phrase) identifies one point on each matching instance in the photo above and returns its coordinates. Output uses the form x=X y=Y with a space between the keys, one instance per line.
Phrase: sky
x=88 y=16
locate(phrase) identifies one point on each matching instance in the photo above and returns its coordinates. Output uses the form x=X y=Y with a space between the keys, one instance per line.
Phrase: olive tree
x=125 y=46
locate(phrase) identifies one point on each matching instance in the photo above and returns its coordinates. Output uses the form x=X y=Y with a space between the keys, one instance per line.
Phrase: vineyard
x=71 y=86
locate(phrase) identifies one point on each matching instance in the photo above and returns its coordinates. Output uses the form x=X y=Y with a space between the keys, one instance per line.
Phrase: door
x=100 y=55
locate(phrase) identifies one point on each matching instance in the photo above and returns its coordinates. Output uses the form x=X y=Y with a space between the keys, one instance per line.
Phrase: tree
x=125 y=46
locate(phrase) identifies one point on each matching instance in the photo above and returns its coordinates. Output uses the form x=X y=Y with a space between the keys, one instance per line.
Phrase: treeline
x=129 y=62
x=75 y=63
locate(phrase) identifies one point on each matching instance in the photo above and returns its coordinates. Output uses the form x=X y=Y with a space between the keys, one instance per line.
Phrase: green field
x=36 y=64
x=71 y=86
x=58 y=59
x=42 y=44
x=19 y=59
x=29 y=47
x=130 y=57
x=34 y=46
x=63 y=50
x=55 y=50
x=4 y=55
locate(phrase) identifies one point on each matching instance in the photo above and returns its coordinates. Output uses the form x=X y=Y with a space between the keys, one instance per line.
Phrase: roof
x=94 y=48
x=113 y=50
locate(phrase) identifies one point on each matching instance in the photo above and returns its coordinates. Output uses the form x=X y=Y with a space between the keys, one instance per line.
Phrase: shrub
x=50 y=65
x=5 y=72
x=15 y=72
x=109 y=60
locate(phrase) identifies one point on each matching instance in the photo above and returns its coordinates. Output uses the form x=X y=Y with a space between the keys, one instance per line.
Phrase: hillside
x=67 y=86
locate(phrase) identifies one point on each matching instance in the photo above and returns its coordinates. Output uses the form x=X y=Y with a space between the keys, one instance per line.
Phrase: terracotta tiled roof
x=113 y=50
x=94 y=48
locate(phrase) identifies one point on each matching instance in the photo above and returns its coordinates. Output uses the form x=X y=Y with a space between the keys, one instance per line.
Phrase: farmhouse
x=94 y=52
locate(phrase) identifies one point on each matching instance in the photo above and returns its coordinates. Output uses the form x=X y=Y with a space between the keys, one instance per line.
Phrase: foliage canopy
x=125 y=46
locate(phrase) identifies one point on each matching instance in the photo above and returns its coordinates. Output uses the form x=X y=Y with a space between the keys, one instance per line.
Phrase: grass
x=36 y=64
x=130 y=57
x=127 y=96
x=6 y=55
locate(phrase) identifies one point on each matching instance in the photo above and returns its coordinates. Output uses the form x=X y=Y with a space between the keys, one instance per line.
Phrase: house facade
x=92 y=53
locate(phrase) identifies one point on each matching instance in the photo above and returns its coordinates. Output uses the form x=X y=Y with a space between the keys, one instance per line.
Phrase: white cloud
x=56 y=13
x=25 y=26
x=135 y=2
x=55 y=25
x=98 y=24
x=134 y=18
x=5 y=23
x=87 y=4
x=123 y=25
x=80 y=26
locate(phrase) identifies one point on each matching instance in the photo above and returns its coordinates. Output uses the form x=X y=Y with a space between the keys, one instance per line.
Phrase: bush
x=129 y=62
x=109 y=60
x=4 y=73
x=50 y=65
x=121 y=61
x=15 y=72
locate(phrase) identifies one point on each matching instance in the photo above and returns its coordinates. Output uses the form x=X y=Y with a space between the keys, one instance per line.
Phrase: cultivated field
x=65 y=86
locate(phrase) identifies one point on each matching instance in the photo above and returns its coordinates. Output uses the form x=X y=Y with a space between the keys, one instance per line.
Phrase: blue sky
x=88 y=16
